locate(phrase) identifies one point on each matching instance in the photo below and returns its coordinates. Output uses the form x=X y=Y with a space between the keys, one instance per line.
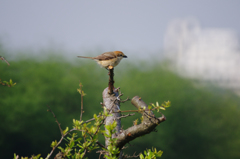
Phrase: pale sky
x=129 y=26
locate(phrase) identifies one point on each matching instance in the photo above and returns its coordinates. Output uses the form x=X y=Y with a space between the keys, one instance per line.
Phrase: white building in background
x=210 y=54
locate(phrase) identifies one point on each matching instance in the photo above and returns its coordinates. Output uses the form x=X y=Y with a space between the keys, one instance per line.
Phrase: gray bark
x=112 y=103
x=148 y=125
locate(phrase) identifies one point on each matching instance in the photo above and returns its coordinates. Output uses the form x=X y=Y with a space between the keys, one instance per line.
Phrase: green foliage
x=32 y=157
x=77 y=150
x=151 y=154
x=202 y=124
x=6 y=83
x=111 y=150
x=80 y=90
x=159 y=107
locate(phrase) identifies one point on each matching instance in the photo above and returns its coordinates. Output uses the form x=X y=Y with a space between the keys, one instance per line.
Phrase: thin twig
x=56 y=120
x=122 y=101
x=2 y=58
x=101 y=145
x=74 y=129
x=101 y=152
x=133 y=156
x=81 y=101
x=91 y=119
x=62 y=137
x=124 y=116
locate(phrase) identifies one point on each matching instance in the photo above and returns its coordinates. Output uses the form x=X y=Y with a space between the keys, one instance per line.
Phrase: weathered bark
x=112 y=103
x=111 y=81
x=148 y=125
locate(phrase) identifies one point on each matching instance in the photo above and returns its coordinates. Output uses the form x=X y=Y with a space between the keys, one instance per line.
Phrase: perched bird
x=108 y=59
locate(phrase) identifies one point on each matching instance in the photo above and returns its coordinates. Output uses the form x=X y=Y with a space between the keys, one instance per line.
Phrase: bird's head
x=120 y=54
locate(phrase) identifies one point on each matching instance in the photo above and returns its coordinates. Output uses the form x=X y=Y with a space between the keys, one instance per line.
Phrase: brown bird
x=108 y=59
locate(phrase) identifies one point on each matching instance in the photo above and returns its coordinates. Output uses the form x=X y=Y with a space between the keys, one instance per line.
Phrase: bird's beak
x=124 y=56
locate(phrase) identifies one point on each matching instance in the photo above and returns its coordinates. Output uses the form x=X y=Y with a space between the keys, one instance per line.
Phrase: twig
x=2 y=58
x=101 y=152
x=122 y=101
x=146 y=126
x=91 y=119
x=124 y=116
x=74 y=129
x=81 y=101
x=101 y=145
x=133 y=156
x=62 y=137
x=117 y=89
x=56 y=119
x=125 y=111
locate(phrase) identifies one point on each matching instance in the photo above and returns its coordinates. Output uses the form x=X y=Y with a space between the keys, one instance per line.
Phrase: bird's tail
x=85 y=57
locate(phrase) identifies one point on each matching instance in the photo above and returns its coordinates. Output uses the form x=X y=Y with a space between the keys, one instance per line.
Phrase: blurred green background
x=202 y=123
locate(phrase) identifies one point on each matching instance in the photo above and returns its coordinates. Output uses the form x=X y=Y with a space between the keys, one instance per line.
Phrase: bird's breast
x=112 y=62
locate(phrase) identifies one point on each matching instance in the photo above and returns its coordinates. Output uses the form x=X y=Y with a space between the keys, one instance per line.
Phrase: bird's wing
x=106 y=56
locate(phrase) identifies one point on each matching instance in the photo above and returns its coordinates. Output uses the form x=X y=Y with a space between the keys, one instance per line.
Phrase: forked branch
x=148 y=124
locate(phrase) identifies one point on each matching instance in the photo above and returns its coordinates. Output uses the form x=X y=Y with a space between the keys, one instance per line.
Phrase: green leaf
x=135 y=122
x=149 y=107
x=65 y=131
x=72 y=143
x=15 y=156
x=54 y=143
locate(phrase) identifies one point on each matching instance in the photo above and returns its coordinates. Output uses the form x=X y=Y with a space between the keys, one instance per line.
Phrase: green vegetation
x=203 y=122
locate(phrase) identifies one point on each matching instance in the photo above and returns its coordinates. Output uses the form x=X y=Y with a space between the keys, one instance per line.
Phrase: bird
x=108 y=60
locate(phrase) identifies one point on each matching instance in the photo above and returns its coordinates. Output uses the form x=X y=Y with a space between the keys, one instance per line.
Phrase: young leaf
x=54 y=143
x=65 y=131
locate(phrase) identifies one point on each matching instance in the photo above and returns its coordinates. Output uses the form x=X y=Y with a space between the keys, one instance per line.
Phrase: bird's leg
x=110 y=67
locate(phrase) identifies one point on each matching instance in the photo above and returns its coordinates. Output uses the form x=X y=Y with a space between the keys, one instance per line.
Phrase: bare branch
x=101 y=145
x=3 y=59
x=62 y=137
x=111 y=81
x=49 y=109
x=81 y=100
x=148 y=125
x=124 y=116
x=133 y=156
x=123 y=101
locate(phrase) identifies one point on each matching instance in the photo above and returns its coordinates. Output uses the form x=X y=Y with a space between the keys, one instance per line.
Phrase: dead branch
x=148 y=125
x=49 y=109
x=81 y=101
x=124 y=116
x=3 y=59
x=111 y=81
